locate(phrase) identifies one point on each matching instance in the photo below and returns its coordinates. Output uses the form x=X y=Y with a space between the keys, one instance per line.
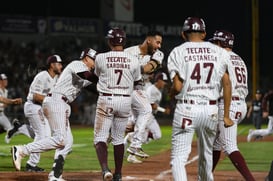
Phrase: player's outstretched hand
x=228 y=122
x=167 y=111
x=17 y=101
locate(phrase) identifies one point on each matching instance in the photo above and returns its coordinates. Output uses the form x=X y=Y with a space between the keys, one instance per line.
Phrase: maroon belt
x=235 y=98
x=186 y=101
x=62 y=97
x=106 y=94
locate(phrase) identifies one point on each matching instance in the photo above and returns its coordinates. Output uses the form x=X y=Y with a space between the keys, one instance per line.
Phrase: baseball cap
x=161 y=76
x=3 y=76
x=89 y=52
x=53 y=59
x=258 y=91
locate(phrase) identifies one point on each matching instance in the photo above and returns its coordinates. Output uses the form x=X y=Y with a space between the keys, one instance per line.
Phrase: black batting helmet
x=116 y=36
x=194 y=24
x=225 y=38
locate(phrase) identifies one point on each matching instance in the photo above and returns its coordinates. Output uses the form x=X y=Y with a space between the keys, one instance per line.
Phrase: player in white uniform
x=4 y=101
x=117 y=71
x=38 y=90
x=75 y=76
x=198 y=71
x=226 y=138
x=152 y=131
x=150 y=59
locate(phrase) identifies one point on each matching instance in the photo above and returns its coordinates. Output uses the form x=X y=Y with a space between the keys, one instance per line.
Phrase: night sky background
x=232 y=15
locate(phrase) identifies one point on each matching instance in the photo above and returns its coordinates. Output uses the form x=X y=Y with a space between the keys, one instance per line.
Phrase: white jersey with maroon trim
x=115 y=70
x=201 y=65
x=41 y=84
x=69 y=83
x=238 y=75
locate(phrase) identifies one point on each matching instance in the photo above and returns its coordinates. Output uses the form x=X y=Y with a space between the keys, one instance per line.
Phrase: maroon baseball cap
x=53 y=59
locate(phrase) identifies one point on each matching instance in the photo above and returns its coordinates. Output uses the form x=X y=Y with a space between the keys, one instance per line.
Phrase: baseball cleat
x=107 y=175
x=133 y=159
x=51 y=177
x=16 y=157
x=30 y=168
x=7 y=138
x=137 y=151
x=249 y=136
x=117 y=177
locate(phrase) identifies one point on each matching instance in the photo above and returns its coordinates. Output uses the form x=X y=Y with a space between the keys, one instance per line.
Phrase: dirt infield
x=156 y=168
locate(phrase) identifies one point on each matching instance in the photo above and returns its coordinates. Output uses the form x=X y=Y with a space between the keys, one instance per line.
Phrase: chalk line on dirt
x=162 y=174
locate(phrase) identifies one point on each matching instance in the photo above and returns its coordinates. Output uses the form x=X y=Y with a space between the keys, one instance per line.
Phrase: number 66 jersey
x=201 y=66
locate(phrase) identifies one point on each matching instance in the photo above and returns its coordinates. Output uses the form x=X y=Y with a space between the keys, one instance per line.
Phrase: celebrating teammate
x=152 y=131
x=226 y=138
x=76 y=76
x=117 y=72
x=38 y=90
x=4 y=101
x=267 y=107
x=150 y=59
x=198 y=71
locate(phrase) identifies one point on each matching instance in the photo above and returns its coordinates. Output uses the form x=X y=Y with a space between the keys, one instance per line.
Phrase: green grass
x=258 y=155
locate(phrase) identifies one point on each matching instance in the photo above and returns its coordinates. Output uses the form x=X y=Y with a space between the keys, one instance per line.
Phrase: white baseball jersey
x=227 y=137
x=143 y=59
x=41 y=84
x=141 y=106
x=69 y=83
x=154 y=95
x=201 y=66
x=4 y=121
x=3 y=93
x=117 y=72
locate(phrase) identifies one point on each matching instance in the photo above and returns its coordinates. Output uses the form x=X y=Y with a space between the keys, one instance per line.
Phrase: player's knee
x=59 y=142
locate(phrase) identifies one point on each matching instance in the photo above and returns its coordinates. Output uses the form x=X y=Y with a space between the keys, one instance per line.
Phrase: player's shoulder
x=134 y=48
x=42 y=74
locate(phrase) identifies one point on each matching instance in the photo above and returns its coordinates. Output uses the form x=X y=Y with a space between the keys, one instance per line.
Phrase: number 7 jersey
x=117 y=71
x=201 y=66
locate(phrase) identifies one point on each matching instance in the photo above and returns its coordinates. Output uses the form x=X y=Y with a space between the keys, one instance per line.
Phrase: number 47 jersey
x=201 y=66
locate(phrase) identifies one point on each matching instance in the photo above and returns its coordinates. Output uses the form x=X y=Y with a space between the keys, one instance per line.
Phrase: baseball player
x=76 y=75
x=255 y=110
x=226 y=138
x=152 y=131
x=38 y=90
x=267 y=108
x=4 y=101
x=198 y=71
x=117 y=72
x=150 y=59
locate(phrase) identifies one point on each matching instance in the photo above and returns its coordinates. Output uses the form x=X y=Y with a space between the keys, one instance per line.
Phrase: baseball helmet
x=116 y=36
x=194 y=24
x=88 y=52
x=225 y=38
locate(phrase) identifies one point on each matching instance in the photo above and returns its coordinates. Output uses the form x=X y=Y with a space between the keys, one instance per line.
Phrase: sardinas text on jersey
x=118 y=62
